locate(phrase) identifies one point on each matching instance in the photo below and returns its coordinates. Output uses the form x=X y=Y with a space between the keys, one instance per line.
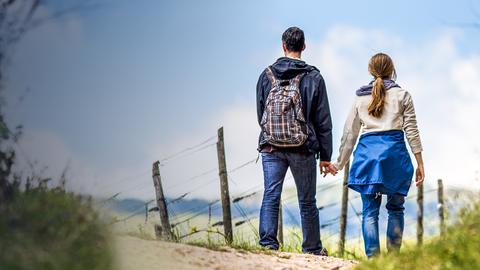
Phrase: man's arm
x=322 y=122
x=261 y=84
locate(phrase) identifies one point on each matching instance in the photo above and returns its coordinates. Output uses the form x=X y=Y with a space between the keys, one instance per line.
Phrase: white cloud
x=240 y=132
x=45 y=154
x=442 y=81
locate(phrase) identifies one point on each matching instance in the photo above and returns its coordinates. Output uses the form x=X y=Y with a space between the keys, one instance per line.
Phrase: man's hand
x=324 y=167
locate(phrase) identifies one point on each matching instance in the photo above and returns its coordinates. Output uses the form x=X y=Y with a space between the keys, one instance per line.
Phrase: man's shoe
x=321 y=252
x=269 y=247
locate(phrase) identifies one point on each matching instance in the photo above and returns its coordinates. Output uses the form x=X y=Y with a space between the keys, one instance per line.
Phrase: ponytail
x=381 y=67
x=375 y=108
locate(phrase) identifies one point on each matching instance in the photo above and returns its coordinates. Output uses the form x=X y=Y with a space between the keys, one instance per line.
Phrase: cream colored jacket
x=398 y=114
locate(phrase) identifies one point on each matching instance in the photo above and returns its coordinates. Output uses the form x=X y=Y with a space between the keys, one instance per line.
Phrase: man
x=294 y=115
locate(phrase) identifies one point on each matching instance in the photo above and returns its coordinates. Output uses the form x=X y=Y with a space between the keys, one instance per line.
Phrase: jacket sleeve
x=349 y=137
x=322 y=122
x=410 y=125
x=262 y=84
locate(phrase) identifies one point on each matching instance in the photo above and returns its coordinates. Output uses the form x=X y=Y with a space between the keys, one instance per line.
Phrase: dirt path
x=137 y=254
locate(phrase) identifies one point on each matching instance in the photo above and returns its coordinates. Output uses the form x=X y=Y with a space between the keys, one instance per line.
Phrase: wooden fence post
x=280 y=223
x=225 y=196
x=166 y=231
x=420 y=215
x=344 y=210
x=441 y=207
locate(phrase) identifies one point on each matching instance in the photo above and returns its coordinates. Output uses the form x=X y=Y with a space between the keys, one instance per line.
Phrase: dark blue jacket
x=314 y=99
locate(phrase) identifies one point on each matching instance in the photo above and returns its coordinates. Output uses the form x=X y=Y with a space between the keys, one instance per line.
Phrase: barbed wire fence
x=218 y=218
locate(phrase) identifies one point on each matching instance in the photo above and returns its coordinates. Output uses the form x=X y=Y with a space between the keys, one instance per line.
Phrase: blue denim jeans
x=304 y=171
x=371 y=207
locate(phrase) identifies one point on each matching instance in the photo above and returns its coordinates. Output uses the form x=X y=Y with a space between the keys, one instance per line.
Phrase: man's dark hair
x=294 y=39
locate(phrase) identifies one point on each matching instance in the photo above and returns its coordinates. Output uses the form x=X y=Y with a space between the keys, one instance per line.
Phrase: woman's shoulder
x=400 y=93
x=362 y=98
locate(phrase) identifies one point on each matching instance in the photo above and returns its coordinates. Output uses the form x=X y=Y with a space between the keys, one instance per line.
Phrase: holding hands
x=327 y=167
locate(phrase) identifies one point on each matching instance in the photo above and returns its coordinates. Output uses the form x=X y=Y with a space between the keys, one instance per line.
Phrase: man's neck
x=294 y=55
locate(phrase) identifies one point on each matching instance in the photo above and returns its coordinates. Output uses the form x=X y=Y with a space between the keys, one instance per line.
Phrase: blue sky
x=110 y=90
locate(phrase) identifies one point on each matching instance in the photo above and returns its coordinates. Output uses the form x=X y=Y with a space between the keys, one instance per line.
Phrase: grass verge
x=457 y=249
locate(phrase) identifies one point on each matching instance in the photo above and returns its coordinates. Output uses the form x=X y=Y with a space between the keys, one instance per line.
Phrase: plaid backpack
x=283 y=123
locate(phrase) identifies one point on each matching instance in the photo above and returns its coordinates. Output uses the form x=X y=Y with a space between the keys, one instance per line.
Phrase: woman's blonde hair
x=381 y=67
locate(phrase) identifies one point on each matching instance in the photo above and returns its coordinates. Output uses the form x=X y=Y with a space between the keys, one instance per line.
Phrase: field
x=56 y=229
x=456 y=249
x=199 y=227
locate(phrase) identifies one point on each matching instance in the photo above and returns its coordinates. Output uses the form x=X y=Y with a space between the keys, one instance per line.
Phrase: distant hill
x=131 y=205
x=328 y=215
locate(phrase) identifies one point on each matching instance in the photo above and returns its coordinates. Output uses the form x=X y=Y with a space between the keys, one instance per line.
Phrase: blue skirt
x=381 y=164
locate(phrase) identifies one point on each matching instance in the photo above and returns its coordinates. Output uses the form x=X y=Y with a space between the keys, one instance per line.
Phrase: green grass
x=243 y=241
x=52 y=229
x=457 y=249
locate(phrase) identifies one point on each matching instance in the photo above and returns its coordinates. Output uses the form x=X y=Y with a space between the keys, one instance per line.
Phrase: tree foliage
x=15 y=19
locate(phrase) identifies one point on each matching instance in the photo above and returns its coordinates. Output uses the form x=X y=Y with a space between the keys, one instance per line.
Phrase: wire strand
x=187 y=149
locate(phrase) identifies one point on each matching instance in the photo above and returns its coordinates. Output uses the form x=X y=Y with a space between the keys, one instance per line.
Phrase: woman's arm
x=413 y=136
x=349 y=138
x=410 y=125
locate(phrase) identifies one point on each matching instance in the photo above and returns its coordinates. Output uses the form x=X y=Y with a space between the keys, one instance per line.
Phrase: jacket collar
x=367 y=89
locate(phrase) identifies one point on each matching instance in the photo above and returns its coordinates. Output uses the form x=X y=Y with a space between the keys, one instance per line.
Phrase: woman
x=381 y=163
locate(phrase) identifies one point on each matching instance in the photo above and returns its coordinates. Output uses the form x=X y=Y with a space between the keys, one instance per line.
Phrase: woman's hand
x=420 y=172
x=420 y=175
x=332 y=169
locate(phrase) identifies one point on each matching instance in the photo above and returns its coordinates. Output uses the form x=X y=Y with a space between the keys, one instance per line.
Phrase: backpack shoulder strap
x=270 y=75
x=298 y=79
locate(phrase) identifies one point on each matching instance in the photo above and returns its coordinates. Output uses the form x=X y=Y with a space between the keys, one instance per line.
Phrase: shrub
x=51 y=229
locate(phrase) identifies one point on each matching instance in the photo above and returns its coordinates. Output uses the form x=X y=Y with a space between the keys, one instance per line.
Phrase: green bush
x=457 y=249
x=51 y=229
